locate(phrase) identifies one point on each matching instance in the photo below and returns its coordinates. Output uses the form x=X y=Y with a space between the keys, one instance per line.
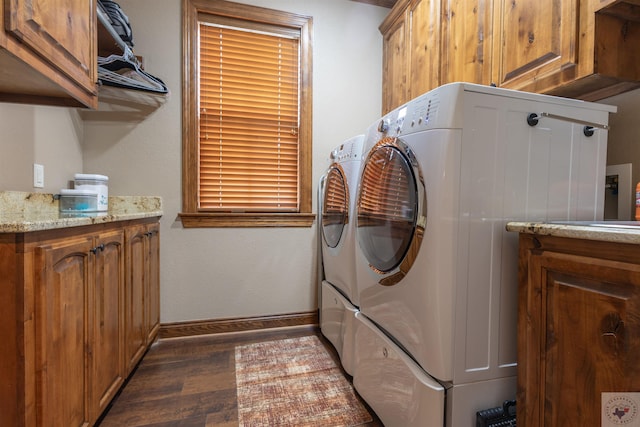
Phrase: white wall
x=219 y=273
x=624 y=137
x=50 y=136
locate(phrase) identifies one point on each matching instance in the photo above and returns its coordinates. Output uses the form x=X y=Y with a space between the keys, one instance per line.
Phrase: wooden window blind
x=247 y=137
x=248 y=120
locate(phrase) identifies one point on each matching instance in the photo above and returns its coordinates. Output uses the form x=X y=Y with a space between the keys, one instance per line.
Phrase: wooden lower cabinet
x=142 y=306
x=64 y=318
x=152 y=304
x=63 y=331
x=578 y=328
x=107 y=357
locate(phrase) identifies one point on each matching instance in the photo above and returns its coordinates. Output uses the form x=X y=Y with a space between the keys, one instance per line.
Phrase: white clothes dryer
x=339 y=297
x=436 y=269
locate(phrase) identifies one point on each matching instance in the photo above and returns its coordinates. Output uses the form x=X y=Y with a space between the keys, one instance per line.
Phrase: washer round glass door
x=391 y=210
x=335 y=206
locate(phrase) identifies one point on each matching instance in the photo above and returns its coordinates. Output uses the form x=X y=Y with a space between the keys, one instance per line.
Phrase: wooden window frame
x=191 y=216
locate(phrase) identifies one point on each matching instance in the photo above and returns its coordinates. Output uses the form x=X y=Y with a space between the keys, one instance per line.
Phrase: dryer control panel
x=421 y=113
x=439 y=108
x=350 y=150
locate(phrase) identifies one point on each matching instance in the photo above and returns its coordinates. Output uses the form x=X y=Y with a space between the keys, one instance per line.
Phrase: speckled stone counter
x=22 y=212
x=608 y=231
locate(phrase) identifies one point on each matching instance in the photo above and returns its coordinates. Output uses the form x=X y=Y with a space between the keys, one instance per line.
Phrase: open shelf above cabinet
x=122 y=103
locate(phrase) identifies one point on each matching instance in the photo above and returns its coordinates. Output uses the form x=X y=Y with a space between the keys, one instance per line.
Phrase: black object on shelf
x=119 y=21
x=121 y=68
x=504 y=416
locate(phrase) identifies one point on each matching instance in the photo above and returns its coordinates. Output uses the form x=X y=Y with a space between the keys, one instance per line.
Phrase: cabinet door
x=108 y=335
x=136 y=261
x=394 y=65
x=536 y=44
x=579 y=333
x=152 y=303
x=62 y=325
x=424 y=56
x=467 y=41
x=61 y=31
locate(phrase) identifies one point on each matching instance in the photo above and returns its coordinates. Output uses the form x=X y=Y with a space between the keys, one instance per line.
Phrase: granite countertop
x=22 y=212
x=609 y=231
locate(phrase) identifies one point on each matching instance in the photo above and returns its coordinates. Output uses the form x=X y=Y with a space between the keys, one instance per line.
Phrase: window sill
x=211 y=220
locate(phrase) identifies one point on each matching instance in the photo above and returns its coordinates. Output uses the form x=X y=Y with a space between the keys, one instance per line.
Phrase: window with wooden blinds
x=246 y=116
x=248 y=120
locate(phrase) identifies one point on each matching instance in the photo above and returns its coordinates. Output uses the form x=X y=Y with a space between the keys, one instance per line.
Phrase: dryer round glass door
x=335 y=207
x=391 y=210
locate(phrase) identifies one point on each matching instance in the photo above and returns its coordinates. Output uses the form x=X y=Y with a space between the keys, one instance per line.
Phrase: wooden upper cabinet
x=427 y=43
x=467 y=41
x=48 y=52
x=585 y=49
x=424 y=40
x=537 y=43
x=59 y=30
x=608 y=57
x=395 y=58
x=411 y=51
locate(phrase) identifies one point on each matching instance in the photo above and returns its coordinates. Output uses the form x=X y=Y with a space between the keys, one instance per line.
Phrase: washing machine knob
x=383 y=126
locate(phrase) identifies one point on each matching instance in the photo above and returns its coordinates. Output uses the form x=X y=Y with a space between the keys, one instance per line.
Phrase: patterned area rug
x=294 y=382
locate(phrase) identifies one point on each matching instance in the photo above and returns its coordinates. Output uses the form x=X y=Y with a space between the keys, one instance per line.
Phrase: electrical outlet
x=38 y=175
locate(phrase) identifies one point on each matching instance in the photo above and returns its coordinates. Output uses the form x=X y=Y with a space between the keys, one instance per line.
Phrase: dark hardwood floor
x=191 y=382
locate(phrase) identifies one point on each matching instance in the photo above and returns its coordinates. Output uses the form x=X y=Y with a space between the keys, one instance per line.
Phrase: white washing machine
x=339 y=296
x=436 y=269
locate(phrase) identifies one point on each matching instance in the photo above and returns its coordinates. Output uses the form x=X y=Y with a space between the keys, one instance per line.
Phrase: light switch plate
x=38 y=175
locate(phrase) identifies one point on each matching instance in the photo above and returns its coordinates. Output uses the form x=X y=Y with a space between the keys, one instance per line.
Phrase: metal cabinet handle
x=95 y=250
